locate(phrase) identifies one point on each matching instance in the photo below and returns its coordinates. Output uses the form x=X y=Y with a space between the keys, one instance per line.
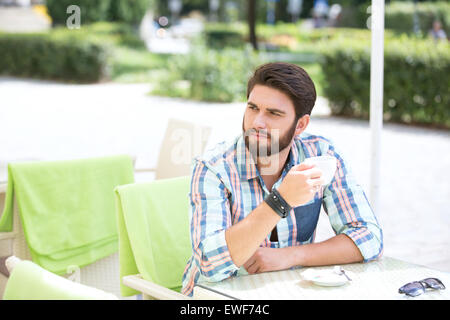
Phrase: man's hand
x=268 y=259
x=243 y=238
x=300 y=184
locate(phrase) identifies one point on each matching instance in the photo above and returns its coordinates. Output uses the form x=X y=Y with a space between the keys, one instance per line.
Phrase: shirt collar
x=246 y=164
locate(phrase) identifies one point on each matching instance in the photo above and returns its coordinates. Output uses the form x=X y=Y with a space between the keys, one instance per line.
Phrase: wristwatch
x=278 y=204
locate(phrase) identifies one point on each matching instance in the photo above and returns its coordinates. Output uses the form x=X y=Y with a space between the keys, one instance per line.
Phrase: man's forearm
x=244 y=238
x=336 y=250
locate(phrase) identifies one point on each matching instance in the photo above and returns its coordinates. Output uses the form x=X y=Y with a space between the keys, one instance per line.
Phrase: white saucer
x=326 y=277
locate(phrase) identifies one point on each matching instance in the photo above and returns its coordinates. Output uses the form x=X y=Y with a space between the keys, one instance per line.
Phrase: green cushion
x=67 y=208
x=28 y=281
x=154 y=236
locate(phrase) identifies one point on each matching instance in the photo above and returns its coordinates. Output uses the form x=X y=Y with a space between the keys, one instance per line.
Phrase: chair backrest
x=156 y=215
x=28 y=281
x=101 y=272
x=182 y=142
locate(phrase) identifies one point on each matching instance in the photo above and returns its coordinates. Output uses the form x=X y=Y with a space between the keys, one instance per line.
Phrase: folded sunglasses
x=416 y=288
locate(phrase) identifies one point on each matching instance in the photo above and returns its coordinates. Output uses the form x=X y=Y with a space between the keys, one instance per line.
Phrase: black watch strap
x=278 y=204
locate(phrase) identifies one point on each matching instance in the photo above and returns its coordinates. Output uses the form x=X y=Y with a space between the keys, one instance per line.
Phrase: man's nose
x=259 y=122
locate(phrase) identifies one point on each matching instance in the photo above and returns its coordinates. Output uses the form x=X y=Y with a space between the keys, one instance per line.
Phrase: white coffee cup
x=327 y=164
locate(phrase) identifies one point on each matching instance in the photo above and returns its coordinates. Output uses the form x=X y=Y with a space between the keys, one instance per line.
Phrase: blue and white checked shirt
x=226 y=187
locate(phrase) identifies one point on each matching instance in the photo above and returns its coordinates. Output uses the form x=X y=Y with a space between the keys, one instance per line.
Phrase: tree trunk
x=252 y=23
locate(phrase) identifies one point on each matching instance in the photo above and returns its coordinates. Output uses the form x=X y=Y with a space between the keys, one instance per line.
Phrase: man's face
x=269 y=122
x=436 y=26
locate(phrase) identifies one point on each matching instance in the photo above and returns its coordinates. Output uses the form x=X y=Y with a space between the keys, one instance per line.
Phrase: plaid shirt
x=226 y=187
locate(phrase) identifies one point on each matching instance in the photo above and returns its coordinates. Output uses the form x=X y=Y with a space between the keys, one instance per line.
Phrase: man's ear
x=302 y=123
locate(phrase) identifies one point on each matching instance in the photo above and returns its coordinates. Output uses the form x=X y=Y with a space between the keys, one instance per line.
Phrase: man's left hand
x=268 y=259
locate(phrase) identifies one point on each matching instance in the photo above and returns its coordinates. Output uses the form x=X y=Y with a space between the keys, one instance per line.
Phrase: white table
x=374 y=280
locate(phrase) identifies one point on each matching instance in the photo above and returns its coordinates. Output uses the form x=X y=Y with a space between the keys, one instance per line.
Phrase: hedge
x=219 y=39
x=128 y=11
x=222 y=35
x=91 y=11
x=399 y=16
x=416 y=78
x=59 y=56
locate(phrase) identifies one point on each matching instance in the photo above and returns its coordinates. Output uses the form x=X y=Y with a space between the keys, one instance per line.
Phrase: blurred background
x=82 y=78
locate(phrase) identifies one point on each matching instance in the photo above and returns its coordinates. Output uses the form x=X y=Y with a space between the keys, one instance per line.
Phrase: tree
x=252 y=23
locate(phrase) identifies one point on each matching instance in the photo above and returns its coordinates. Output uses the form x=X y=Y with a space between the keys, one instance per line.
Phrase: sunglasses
x=416 y=288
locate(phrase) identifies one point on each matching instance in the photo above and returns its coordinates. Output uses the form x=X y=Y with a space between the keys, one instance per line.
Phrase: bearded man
x=255 y=203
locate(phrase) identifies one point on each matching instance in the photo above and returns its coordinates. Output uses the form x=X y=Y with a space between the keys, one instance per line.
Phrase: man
x=437 y=33
x=236 y=225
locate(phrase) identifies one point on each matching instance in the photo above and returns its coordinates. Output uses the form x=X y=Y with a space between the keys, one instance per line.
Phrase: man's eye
x=275 y=113
x=253 y=107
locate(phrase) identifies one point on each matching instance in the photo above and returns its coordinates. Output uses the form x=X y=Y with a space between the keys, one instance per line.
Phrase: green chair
x=61 y=215
x=154 y=238
x=28 y=281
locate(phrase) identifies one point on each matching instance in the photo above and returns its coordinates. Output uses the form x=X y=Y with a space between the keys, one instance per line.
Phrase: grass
x=136 y=65
x=130 y=61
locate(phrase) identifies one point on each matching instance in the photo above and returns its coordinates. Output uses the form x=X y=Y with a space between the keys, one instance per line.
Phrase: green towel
x=67 y=208
x=153 y=225
x=28 y=281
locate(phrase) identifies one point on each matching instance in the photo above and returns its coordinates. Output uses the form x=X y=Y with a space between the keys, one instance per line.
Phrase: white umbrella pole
x=376 y=98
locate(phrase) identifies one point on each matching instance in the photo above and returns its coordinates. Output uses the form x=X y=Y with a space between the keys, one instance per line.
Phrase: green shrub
x=399 y=16
x=210 y=75
x=354 y=16
x=219 y=39
x=221 y=35
x=129 y=11
x=416 y=78
x=59 y=56
x=91 y=11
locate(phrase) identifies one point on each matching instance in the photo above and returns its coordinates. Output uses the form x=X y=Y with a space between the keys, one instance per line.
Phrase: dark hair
x=289 y=79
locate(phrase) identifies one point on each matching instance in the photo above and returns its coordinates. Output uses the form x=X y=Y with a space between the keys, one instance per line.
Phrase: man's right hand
x=300 y=184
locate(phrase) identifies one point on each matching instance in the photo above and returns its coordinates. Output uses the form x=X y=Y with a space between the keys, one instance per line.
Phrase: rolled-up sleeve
x=210 y=218
x=350 y=213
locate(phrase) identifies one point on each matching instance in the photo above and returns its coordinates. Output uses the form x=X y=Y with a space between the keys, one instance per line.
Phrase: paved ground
x=22 y=19
x=44 y=120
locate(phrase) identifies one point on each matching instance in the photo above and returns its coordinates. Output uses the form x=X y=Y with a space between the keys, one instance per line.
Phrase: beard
x=273 y=144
